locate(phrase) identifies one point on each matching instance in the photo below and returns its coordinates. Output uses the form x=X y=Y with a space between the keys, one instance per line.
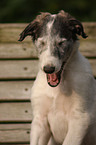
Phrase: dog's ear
x=35 y=27
x=33 y=30
x=77 y=28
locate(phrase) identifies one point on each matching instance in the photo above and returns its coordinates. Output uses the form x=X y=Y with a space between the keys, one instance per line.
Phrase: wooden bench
x=18 y=69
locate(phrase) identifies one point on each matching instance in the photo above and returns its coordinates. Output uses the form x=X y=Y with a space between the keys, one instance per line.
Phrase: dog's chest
x=58 y=119
x=58 y=125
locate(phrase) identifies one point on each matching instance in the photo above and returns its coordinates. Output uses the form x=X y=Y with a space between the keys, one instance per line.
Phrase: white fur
x=46 y=58
x=66 y=114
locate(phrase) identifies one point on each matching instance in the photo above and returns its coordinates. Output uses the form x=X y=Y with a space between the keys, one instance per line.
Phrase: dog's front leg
x=76 y=130
x=52 y=141
x=40 y=132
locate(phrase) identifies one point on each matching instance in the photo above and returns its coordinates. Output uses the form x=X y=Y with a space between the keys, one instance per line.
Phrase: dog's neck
x=75 y=70
x=73 y=55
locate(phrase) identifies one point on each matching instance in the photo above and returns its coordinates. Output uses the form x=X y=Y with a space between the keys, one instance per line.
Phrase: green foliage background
x=14 y=11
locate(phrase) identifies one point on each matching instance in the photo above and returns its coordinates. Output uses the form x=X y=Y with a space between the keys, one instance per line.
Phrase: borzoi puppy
x=64 y=92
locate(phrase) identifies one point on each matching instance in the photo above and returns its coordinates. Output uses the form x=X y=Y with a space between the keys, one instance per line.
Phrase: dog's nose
x=49 y=69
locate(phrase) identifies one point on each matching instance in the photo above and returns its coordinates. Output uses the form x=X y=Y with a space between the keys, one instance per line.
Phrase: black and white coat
x=64 y=92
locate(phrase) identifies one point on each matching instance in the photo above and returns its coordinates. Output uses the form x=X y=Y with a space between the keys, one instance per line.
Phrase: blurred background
x=22 y=11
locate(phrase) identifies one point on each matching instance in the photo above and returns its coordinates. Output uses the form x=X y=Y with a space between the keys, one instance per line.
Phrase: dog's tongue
x=53 y=79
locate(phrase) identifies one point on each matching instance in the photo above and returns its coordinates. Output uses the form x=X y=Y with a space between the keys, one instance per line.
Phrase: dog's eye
x=42 y=43
x=61 y=43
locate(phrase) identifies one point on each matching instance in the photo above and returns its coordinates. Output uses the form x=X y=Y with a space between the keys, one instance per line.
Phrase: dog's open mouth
x=54 y=78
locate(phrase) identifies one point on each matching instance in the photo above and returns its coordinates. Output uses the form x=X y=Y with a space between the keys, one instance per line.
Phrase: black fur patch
x=64 y=25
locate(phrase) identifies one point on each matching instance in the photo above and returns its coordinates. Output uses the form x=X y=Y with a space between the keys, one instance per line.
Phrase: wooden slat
x=90 y=29
x=23 y=126
x=15 y=90
x=15 y=112
x=14 y=143
x=17 y=50
x=10 y=32
x=88 y=48
x=18 y=69
x=11 y=48
x=28 y=50
x=25 y=69
x=15 y=133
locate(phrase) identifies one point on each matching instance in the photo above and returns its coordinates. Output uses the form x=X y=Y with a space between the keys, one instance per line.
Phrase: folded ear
x=33 y=30
x=77 y=28
x=35 y=27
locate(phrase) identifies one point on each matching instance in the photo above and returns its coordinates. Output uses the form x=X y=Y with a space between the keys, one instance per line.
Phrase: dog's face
x=54 y=37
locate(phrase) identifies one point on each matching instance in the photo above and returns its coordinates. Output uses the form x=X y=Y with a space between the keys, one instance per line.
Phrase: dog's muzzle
x=49 y=69
x=53 y=78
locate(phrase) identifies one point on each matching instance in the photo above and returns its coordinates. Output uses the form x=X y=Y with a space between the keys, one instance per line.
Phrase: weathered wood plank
x=13 y=25
x=15 y=90
x=28 y=50
x=25 y=69
x=90 y=29
x=15 y=112
x=14 y=143
x=14 y=136
x=15 y=133
x=18 y=69
x=17 y=50
x=88 y=48
x=11 y=48
x=10 y=32
x=18 y=126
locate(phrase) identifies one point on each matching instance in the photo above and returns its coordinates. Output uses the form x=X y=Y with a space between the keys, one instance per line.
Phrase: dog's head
x=54 y=36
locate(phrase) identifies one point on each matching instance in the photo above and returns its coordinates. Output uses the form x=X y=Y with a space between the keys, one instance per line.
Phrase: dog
x=64 y=93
